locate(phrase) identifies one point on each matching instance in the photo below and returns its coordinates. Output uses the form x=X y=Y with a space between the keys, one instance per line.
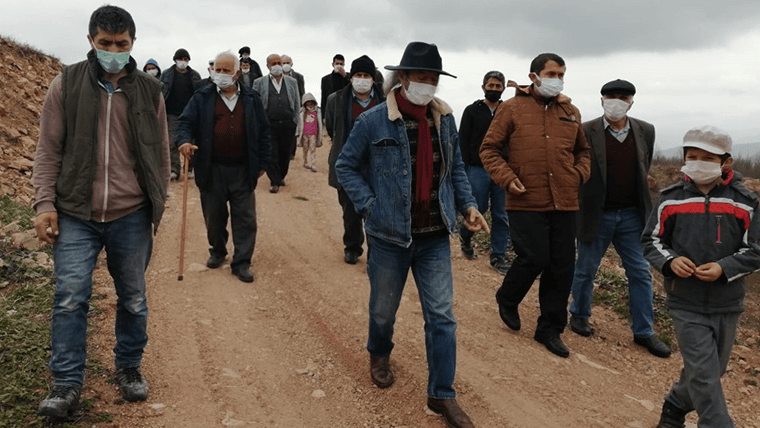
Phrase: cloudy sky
x=693 y=63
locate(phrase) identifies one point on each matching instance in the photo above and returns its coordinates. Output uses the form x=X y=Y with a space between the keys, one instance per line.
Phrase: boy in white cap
x=703 y=236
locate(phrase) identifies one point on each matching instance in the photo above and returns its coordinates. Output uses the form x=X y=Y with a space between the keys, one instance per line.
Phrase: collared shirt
x=232 y=100
x=277 y=85
x=619 y=135
x=364 y=103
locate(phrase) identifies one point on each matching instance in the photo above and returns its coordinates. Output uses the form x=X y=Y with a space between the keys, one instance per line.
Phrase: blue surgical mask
x=112 y=62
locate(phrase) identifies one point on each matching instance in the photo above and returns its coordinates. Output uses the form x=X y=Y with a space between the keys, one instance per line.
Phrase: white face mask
x=276 y=70
x=286 y=68
x=702 y=172
x=420 y=93
x=550 y=87
x=246 y=56
x=245 y=70
x=361 y=85
x=615 y=109
x=338 y=68
x=181 y=64
x=153 y=72
x=223 y=81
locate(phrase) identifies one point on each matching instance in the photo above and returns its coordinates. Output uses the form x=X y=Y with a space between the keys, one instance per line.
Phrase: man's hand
x=474 y=221
x=187 y=150
x=683 y=267
x=708 y=272
x=46 y=225
x=516 y=187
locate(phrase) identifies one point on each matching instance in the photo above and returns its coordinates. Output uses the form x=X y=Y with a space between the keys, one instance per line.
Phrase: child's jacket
x=721 y=227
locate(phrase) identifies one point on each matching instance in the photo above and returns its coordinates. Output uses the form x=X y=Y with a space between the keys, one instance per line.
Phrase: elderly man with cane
x=229 y=124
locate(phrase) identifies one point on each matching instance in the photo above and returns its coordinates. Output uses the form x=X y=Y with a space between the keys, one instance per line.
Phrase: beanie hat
x=152 y=62
x=244 y=50
x=363 y=64
x=181 y=53
x=709 y=139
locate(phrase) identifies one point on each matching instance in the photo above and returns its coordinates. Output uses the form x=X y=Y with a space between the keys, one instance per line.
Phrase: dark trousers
x=353 y=228
x=230 y=184
x=281 y=135
x=173 y=122
x=545 y=244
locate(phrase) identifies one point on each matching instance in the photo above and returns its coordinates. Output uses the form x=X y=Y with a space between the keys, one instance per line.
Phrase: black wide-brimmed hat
x=420 y=56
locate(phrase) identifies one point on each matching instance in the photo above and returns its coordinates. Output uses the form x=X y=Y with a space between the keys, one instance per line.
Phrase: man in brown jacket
x=548 y=160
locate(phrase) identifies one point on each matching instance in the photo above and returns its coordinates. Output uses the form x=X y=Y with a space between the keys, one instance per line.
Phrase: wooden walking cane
x=184 y=218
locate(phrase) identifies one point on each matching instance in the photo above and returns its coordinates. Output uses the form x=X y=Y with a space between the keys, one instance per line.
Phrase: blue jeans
x=388 y=267
x=128 y=242
x=623 y=229
x=485 y=190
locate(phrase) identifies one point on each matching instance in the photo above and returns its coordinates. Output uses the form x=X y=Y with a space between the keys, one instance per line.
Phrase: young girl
x=309 y=132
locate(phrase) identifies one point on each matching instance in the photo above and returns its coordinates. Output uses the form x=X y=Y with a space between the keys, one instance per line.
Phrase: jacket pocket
x=385 y=157
x=147 y=126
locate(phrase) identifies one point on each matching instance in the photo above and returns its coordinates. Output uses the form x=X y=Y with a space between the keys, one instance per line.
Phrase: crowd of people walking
x=559 y=191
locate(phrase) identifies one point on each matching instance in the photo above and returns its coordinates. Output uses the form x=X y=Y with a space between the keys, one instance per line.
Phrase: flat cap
x=619 y=86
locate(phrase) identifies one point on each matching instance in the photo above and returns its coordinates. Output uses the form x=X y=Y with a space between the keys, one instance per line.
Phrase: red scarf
x=424 y=147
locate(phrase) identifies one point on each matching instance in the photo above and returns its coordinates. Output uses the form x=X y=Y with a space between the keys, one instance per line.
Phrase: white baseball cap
x=709 y=139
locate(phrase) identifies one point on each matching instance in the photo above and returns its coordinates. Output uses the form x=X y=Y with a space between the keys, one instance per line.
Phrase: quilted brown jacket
x=542 y=145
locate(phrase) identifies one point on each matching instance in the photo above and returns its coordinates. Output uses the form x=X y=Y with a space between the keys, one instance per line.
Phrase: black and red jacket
x=722 y=226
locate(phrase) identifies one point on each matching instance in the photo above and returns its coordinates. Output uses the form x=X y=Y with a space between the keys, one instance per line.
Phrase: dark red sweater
x=229 y=134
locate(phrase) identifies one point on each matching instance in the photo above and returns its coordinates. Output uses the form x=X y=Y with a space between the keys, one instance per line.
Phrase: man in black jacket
x=343 y=107
x=336 y=80
x=475 y=122
x=614 y=205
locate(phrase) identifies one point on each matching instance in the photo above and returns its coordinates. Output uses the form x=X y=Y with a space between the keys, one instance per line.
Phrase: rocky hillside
x=25 y=74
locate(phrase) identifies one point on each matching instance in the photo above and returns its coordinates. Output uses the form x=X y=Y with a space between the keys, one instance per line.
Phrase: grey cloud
x=588 y=28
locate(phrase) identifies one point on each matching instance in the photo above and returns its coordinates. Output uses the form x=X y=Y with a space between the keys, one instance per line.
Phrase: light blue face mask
x=112 y=62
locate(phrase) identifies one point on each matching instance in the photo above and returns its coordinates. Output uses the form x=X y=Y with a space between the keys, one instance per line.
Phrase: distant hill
x=741 y=150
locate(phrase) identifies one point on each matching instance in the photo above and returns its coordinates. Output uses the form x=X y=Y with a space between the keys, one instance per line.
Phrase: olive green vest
x=81 y=106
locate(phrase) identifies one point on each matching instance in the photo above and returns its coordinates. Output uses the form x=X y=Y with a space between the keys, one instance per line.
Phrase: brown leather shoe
x=454 y=416
x=380 y=371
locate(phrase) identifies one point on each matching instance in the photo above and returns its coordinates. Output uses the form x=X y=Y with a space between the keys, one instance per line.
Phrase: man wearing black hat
x=343 y=107
x=614 y=205
x=179 y=83
x=402 y=170
x=245 y=53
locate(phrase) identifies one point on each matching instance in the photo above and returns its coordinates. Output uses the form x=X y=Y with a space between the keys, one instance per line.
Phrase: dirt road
x=289 y=349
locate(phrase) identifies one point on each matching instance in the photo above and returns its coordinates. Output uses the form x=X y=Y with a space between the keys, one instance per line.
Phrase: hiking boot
x=500 y=264
x=59 y=402
x=452 y=414
x=133 y=385
x=467 y=251
x=672 y=416
x=581 y=326
x=380 y=371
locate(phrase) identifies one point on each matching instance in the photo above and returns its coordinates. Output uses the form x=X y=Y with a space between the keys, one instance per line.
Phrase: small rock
x=157 y=406
x=10 y=229
x=197 y=267
x=228 y=421
x=26 y=240
x=318 y=393
x=635 y=424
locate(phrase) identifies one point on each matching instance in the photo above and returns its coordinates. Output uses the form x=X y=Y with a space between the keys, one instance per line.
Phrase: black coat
x=338 y=124
x=472 y=128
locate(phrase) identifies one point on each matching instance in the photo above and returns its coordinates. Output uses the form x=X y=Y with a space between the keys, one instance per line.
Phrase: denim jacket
x=375 y=170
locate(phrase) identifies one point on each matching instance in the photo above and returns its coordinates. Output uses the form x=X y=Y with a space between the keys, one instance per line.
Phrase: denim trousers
x=623 y=229
x=128 y=242
x=486 y=193
x=544 y=242
x=430 y=261
x=705 y=341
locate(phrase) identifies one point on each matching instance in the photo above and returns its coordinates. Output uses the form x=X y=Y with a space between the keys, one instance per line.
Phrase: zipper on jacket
x=107 y=155
x=717 y=220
